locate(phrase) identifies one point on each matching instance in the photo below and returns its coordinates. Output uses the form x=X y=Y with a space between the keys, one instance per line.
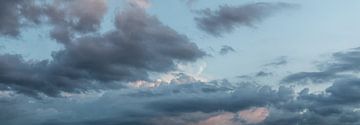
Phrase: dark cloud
x=15 y=14
x=141 y=44
x=345 y=91
x=227 y=18
x=341 y=65
x=242 y=98
x=120 y=108
x=337 y=103
x=307 y=77
x=283 y=60
x=263 y=74
x=188 y=103
x=69 y=18
x=225 y=49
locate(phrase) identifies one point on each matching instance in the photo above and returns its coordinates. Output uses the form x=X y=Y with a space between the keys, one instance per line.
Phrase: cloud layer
x=197 y=103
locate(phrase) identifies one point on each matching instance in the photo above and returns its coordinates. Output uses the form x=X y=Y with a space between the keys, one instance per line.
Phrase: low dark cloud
x=242 y=98
x=227 y=18
x=120 y=108
x=336 y=105
x=188 y=103
x=69 y=18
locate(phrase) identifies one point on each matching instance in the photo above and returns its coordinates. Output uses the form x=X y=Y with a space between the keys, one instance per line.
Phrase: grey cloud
x=227 y=18
x=333 y=106
x=67 y=18
x=117 y=108
x=141 y=44
x=15 y=14
x=263 y=74
x=74 y=17
x=345 y=91
x=225 y=49
x=283 y=60
x=309 y=109
x=307 y=77
x=243 y=97
x=281 y=117
x=190 y=104
x=336 y=68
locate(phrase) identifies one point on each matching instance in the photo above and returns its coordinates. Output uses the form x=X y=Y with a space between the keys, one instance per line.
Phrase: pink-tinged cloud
x=221 y=119
x=144 y=4
x=249 y=116
x=254 y=115
x=243 y=117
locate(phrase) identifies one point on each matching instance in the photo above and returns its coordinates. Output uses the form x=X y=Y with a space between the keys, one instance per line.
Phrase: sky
x=179 y=62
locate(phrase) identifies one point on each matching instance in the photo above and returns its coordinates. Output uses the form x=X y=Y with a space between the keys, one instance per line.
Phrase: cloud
x=118 y=107
x=306 y=77
x=140 y=45
x=263 y=74
x=69 y=18
x=144 y=4
x=221 y=119
x=254 y=115
x=15 y=14
x=249 y=116
x=241 y=98
x=227 y=18
x=331 y=107
x=225 y=49
x=341 y=65
x=242 y=103
x=283 y=60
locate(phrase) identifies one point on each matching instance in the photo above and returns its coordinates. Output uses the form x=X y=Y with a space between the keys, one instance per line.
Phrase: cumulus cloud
x=141 y=44
x=73 y=17
x=227 y=18
x=12 y=14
